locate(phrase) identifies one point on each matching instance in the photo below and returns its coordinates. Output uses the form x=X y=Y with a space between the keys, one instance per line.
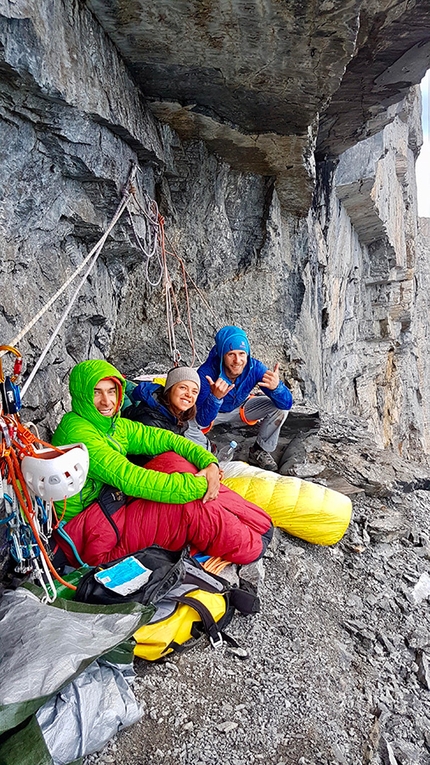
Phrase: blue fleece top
x=145 y=392
x=208 y=406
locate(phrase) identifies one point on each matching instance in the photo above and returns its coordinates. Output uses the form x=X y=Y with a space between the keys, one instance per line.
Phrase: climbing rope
x=128 y=190
x=153 y=247
x=95 y=250
x=30 y=520
x=150 y=246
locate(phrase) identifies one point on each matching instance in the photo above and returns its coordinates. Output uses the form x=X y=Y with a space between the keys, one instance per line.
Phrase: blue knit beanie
x=231 y=338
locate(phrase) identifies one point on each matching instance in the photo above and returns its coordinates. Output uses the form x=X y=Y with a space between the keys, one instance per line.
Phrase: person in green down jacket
x=175 y=500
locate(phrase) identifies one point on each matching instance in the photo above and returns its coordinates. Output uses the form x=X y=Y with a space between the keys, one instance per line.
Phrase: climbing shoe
x=262 y=459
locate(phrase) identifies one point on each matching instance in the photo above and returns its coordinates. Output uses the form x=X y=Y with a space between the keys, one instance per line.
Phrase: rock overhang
x=266 y=85
x=250 y=79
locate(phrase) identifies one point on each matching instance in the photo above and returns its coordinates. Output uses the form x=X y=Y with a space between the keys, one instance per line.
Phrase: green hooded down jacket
x=110 y=439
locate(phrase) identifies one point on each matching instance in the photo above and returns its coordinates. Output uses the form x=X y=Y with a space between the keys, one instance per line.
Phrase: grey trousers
x=263 y=409
x=194 y=433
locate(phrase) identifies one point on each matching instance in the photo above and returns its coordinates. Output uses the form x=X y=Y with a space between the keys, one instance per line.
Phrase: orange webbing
x=23 y=439
x=243 y=416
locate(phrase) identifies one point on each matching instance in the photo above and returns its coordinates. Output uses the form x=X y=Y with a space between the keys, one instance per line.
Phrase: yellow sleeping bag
x=303 y=509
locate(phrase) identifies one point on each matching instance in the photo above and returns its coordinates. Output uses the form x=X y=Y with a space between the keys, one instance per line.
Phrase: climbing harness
x=33 y=474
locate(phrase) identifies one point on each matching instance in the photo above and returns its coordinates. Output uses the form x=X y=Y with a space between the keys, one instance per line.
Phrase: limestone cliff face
x=319 y=256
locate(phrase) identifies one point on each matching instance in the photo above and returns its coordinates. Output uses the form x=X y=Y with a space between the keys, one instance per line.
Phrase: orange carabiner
x=10 y=349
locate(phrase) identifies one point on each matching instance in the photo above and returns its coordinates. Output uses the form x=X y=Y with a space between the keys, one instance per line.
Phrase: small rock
x=308 y=470
x=252 y=573
x=172 y=667
x=227 y=726
x=423 y=552
x=239 y=652
x=422 y=588
x=423 y=672
x=230 y=574
x=388 y=754
x=387 y=528
x=355 y=602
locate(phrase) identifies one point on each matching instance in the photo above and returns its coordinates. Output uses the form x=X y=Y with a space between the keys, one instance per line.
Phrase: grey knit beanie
x=179 y=374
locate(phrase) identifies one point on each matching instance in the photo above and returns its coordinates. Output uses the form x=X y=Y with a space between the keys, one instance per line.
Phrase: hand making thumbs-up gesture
x=270 y=379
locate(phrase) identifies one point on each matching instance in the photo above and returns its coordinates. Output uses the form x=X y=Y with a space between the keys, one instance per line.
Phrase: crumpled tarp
x=44 y=647
x=83 y=717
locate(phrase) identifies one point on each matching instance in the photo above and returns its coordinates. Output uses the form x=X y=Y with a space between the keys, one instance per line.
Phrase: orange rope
x=16 y=478
x=171 y=297
x=23 y=440
x=54 y=513
x=215 y=565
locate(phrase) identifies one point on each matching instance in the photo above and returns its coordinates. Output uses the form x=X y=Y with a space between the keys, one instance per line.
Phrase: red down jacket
x=229 y=526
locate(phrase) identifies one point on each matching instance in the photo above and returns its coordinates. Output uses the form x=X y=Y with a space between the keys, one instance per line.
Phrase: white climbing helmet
x=51 y=475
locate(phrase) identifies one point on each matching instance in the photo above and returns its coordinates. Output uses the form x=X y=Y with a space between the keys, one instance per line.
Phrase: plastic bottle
x=225 y=454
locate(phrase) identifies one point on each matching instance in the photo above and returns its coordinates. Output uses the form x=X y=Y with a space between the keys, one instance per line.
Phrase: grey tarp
x=45 y=647
x=82 y=717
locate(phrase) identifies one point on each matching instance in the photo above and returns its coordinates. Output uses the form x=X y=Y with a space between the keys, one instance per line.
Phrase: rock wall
x=371 y=295
x=336 y=296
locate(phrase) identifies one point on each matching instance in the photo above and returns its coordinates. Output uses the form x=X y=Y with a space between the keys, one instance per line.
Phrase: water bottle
x=225 y=454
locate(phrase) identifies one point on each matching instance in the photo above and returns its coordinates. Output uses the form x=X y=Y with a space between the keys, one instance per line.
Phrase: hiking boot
x=262 y=459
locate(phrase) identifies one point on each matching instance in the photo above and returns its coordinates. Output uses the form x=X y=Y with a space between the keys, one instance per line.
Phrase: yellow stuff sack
x=304 y=509
x=176 y=626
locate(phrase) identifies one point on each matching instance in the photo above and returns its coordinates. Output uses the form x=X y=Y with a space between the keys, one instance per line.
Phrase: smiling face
x=234 y=362
x=105 y=397
x=182 y=396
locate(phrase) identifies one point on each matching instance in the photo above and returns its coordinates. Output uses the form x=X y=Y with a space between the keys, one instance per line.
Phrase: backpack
x=190 y=603
x=143 y=577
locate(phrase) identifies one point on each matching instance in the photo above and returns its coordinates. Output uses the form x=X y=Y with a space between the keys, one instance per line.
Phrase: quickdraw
x=30 y=520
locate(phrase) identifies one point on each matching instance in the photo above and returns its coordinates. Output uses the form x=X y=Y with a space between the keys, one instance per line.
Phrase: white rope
x=15 y=340
x=154 y=246
x=95 y=252
x=151 y=246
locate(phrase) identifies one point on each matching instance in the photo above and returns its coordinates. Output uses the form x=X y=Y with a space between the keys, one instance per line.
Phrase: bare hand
x=220 y=387
x=212 y=475
x=270 y=379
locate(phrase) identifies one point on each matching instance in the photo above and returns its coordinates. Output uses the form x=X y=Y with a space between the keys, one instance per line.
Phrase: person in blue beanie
x=227 y=377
